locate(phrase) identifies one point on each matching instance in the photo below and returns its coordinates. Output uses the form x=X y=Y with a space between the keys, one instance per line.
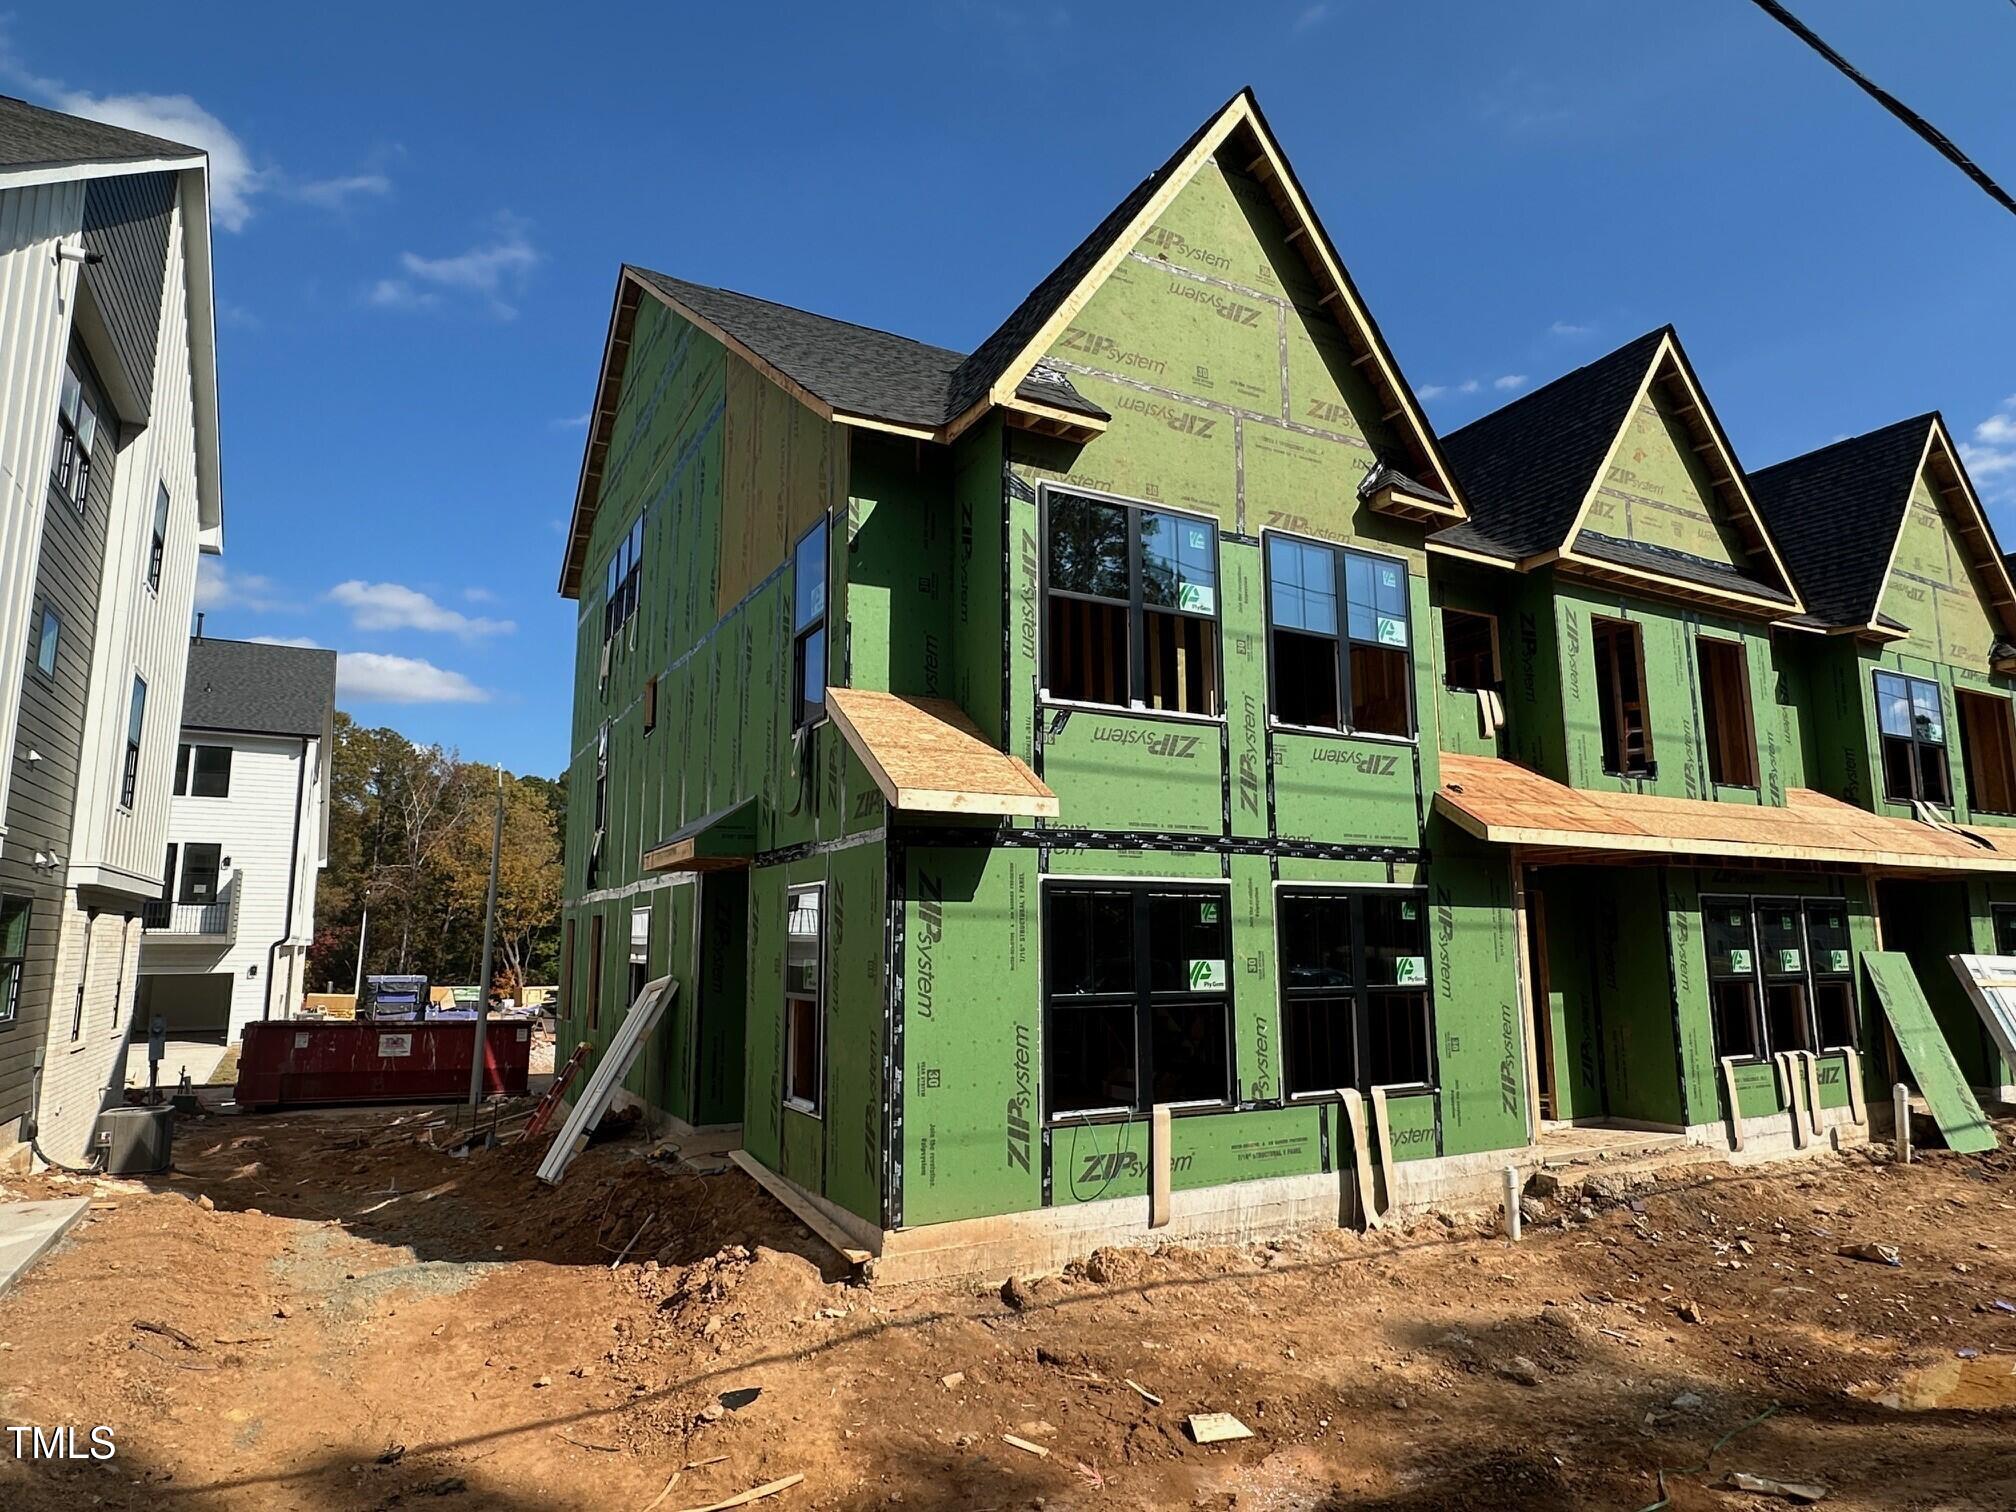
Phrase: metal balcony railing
x=196 y=921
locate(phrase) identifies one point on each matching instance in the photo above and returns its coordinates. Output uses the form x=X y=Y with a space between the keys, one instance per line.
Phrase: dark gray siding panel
x=126 y=218
x=42 y=799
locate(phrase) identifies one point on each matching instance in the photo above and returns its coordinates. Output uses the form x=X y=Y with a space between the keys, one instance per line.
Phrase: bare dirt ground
x=373 y=1324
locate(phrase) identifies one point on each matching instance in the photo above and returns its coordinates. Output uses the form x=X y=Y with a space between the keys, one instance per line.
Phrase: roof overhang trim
x=724 y=840
x=1669 y=366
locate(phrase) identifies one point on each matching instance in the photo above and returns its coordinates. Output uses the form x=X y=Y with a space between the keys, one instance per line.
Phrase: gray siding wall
x=43 y=795
x=127 y=218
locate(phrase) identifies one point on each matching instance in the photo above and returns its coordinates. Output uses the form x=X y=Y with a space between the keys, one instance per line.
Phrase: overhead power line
x=1941 y=143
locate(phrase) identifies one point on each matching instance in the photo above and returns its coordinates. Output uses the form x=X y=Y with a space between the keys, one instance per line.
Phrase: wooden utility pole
x=489 y=945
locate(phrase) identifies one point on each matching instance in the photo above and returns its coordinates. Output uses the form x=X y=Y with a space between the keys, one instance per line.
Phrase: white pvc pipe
x=1900 y=1110
x=1512 y=1203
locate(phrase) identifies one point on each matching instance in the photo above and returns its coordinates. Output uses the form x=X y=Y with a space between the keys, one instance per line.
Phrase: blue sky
x=422 y=209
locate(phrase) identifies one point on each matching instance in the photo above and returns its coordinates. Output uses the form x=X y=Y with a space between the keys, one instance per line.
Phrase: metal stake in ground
x=489 y=945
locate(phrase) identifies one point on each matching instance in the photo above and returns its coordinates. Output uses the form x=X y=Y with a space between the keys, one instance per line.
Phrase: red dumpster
x=303 y=1061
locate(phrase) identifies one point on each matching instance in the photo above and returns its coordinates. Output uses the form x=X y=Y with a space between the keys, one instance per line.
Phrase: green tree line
x=409 y=841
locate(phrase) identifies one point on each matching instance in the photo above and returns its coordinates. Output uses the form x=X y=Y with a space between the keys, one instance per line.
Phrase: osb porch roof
x=927 y=757
x=1500 y=802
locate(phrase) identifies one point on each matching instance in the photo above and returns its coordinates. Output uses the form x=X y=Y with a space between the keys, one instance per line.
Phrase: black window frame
x=1341 y=638
x=191 y=777
x=78 y=421
x=622 y=581
x=791 y=1096
x=1831 y=975
x=136 y=727
x=1999 y=915
x=1761 y=977
x=1361 y=990
x=808 y=626
x=47 y=646
x=1919 y=743
x=1141 y=995
x=200 y=859
x=158 y=551
x=1496 y=681
x=17 y=910
x=1135 y=604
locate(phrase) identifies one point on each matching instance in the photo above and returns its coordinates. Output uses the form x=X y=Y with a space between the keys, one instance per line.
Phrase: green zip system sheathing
x=1918 y=1034
x=1232 y=394
x=1656 y=491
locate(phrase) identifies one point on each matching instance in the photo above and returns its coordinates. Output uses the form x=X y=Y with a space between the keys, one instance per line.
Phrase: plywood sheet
x=1507 y=804
x=1925 y=1049
x=927 y=757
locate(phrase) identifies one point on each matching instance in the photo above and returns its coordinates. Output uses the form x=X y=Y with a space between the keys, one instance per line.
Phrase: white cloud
x=1468 y=386
x=479 y=595
x=373 y=677
x=394 y=606
x=572 y=422
x=217 y=587
x=337 y=193
x=1431 y=391
x=377 y=678
x=1570 y=330
x=1507 y=383
x=1312 y=16
x=235 y=180
x=1991 y=457
x=493 y=273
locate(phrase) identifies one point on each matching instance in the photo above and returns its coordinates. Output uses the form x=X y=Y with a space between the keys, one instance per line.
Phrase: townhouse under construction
x=1136 y=778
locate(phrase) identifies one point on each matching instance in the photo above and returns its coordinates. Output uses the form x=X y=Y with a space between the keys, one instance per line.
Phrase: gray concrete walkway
x=29 y=1230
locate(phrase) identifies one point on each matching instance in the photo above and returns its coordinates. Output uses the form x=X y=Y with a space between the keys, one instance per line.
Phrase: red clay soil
x=372 y=1323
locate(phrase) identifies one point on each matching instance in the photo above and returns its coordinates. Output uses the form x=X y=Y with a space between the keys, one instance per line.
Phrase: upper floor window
x=48 y=638
x=1912 y=724
x=1332 y=670
x=1469 y=650
x=136 y=719
x=159 y=549
x=1131 y=606
x=76 y=434
x=202 y=771
x=621 y=590
x=1725 y=710
x=1620 y=698
x=1987 y=751
x=808 y=628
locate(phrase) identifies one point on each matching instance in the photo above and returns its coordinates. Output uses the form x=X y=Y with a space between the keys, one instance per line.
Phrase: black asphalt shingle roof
x=34 y=137
x=1835 y=513
x=990 y=359
x=1676 y=564
x=1526 y=467
x=854 y=368
x=258 y=688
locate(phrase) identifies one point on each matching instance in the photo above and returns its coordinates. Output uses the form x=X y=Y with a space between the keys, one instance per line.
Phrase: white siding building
x=109 y=490
x=248 y=835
